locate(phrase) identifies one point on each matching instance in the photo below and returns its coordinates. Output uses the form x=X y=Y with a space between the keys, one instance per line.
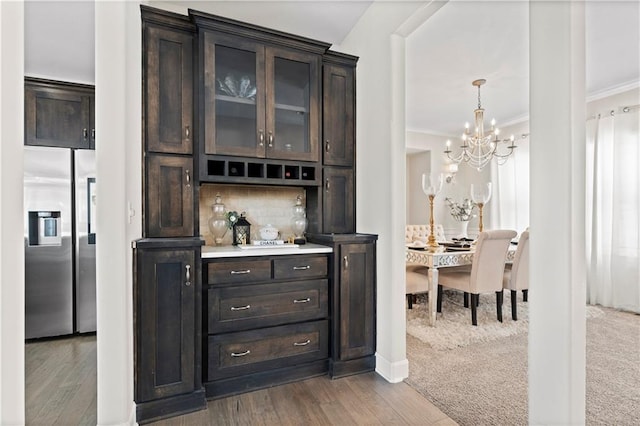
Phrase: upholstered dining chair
x=486 y=273
x=417 y=281
x=517 y=277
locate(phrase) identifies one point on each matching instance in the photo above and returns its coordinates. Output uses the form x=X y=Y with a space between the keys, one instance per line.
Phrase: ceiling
x=461 y=42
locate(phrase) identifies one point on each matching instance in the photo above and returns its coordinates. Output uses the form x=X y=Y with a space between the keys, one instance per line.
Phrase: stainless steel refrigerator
x=59 y=241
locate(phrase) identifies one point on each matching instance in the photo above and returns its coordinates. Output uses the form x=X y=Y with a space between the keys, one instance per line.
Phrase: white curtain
x=613 y=210
x=511 y=190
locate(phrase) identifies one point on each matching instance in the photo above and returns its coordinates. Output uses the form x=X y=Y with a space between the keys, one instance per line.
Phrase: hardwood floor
x=61 y=390
x=60 y=382
x=364 y=399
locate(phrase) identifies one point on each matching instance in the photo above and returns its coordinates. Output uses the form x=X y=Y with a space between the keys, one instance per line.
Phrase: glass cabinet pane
x=235 y=99
x=292 y=94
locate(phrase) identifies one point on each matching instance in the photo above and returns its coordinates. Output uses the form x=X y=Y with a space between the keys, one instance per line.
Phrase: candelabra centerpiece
x=481 y=194
x=431 y=186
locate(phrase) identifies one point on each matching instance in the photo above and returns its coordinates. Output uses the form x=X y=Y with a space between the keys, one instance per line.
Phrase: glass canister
x=299 y=221
x=218 y=224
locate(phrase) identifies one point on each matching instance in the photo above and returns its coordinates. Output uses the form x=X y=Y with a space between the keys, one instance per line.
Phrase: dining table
x=446 y=256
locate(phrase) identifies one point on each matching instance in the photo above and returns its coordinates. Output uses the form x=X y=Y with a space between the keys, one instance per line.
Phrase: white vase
x=464 y=224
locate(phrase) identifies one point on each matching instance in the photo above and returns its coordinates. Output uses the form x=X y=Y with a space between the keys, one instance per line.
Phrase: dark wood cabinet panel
x=169 y=90
x=169 y=189
x=167 y=319
x=357 y=301
x=338 y=205
x=262 y=305
x=238 y=354
x=166 y=323
x=59 y=114
x=338 y=115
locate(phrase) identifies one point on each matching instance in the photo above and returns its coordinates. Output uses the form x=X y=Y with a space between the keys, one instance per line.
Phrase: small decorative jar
x=241 y=231
x=218 y=224
x=269 y=232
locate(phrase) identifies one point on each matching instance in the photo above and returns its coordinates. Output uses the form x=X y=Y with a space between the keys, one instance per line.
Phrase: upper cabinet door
x=293 y=98
x=234 y=96
x=260 y=101
x=169 y=91
x=338 y=115
x=57 y=117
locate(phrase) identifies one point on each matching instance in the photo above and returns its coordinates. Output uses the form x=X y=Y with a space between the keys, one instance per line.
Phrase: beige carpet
x=482 y=378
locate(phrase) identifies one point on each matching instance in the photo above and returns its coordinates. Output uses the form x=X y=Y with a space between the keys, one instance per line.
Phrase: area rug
x=453 y=327
x=482 y=380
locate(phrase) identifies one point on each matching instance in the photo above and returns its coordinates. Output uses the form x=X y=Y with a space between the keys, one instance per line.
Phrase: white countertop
x=210 y=252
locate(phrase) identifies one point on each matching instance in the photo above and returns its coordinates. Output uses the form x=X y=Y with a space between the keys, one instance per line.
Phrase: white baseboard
x=393 y=372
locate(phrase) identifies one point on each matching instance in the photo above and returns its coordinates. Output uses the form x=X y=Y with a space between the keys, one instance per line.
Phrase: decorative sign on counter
x=267 y=242
x=266 y=246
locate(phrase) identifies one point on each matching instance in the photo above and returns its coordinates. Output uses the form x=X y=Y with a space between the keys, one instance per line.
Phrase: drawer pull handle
x=346 y=262
x=307 y=300
x=188 y=275
x=240 y=308
x=301 y=268
x=246 y=271
x=238 y=354
x=302 y=343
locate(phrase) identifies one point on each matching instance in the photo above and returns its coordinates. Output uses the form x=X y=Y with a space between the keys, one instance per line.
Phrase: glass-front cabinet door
x=260 y=101
x=292 y=105
x=234 y=98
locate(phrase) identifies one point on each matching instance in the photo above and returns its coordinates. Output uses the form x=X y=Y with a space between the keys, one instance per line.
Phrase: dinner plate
x=459 y=248
x=416 y=247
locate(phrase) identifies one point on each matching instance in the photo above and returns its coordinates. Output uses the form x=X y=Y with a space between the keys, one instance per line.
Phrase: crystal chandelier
x=478 y=148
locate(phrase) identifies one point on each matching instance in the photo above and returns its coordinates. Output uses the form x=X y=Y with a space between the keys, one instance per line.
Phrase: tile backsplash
x=264 y=205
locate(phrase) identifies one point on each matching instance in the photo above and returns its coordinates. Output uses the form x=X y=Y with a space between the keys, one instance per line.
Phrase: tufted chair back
x=421 y=233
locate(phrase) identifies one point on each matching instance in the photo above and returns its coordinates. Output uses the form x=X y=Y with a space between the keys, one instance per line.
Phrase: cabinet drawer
x=300 y=267
x=239 y=271
x=263 y=305
x=236 y=354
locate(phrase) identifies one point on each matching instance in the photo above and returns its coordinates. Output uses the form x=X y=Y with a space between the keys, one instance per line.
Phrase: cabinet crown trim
x=238 y=28
x=162 y=17
x=45 y=83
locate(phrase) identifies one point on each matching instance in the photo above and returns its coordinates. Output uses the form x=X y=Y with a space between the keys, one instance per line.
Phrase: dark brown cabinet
x=168 y=90
x=59 y=114
x=338 y=205
x=168 y=102
x=260 y=100
x=353 y=304
x=169 y=196
x=231 y=103
x=338 y=111
x=167 y=318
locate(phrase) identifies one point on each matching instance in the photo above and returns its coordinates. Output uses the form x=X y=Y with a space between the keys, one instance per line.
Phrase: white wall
x=59 y=40
x=11 y=196
x=381 y=167
x=118 y=163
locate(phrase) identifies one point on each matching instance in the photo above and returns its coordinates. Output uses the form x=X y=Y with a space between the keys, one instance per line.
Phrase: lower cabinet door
x=237 y=354
x=165 y=323
x=357 y=301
